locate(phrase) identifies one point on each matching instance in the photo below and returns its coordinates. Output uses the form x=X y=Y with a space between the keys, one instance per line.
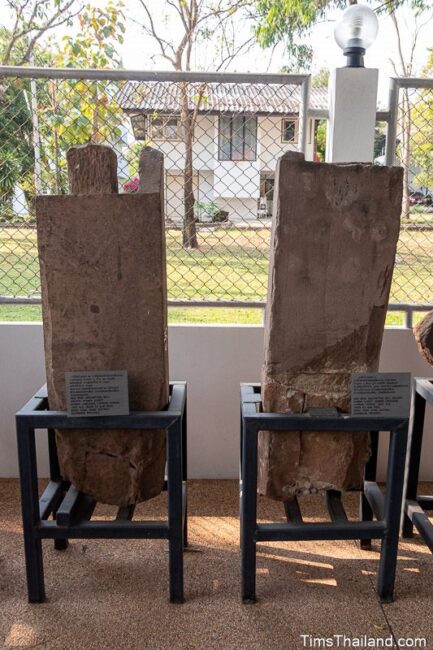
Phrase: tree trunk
x=189 y=232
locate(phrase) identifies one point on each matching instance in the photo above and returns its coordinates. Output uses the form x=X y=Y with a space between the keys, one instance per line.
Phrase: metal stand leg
x=366 y=513
x=30 y=510
x=185 y=476
x=393 y=503
x=174 y=486
x=249 y=513
x=59 y=544
x=414 y=459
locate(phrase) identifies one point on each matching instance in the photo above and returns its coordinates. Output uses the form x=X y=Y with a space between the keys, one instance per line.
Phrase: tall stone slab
x=334 y=237
x=103 y=276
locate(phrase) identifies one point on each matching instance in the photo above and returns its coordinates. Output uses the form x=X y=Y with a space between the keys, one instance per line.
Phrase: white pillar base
x=352 y=115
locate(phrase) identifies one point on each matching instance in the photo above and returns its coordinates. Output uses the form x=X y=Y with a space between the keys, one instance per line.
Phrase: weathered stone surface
x=102 y=261
x=335 y=231
x=424 y=337
x=92 y=169
x=151 y=171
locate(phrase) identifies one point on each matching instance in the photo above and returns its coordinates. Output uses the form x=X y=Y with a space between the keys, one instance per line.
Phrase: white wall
x=173 y=197
x=213 y=360
x=240 y=210
x=270 y=144
x=204 y=146
x=234 y=186
x=240 y=179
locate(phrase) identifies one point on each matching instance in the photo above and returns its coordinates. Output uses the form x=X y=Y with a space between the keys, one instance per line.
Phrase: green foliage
x=71 y=112
x=87 y=111
x=379 y=141
x=210 y=211
x=422 y=134
x=321 y=140
x=9 y=171
x=16 y=147
x=320 y=79
x=32 y=20
x=288 y=21
x=132 y=156
x=16 y=132
x=94 y=46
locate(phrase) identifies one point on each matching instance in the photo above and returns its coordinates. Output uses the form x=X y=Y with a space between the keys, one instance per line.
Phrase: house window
x=165 y=127
x=237 y=138
x=289 y=130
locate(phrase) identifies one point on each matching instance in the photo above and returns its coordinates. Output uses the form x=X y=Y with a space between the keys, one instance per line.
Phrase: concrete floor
x=113 y=594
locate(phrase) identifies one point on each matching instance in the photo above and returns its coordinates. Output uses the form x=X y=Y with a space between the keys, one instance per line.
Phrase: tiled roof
x=164 y=96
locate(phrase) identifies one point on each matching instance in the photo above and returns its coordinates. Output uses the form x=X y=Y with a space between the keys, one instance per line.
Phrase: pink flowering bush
x=131 y=186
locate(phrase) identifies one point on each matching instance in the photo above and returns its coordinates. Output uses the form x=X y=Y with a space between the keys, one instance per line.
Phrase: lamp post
x=355 y=32
x=353 y=90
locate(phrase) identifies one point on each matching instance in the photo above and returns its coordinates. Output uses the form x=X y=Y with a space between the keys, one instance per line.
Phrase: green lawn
x=175 y=314
x=230 y=264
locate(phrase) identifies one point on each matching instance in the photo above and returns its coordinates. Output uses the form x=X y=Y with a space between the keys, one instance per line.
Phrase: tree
x=404 y=67
x=80 y=111
x=422 y=138
x=195 y=21
x=320 y=79
x=71 y=111
x=289 y=21
x=16 y=129
x=15 y=142
x=31 y=20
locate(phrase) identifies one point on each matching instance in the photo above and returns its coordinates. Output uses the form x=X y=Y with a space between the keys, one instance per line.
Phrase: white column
x=352 y=115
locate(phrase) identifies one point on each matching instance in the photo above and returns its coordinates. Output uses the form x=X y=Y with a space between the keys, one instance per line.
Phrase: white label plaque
x=379 y=394
x=90 y=394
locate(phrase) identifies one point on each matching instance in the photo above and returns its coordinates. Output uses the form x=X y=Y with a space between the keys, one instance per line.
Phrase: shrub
x=211 y=211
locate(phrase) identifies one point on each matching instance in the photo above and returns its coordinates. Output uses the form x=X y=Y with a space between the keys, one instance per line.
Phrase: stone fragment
x=103 y=275
x=92 y=169
x=423 y=332
x=151 y=171
x=334 y=235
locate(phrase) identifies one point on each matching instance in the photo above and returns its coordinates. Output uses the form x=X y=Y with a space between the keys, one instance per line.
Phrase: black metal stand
x=386 y=510
x=72 y=511
x=416 y=505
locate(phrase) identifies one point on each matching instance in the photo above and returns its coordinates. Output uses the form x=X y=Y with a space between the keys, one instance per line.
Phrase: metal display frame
x=72 y=510
x=415 y=505
x=386 y=510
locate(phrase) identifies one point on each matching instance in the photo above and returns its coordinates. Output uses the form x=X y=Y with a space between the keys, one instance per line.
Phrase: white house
x=240 y=131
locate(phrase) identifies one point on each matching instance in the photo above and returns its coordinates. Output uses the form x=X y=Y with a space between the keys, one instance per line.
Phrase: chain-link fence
x=221 y=136
x=410 y=144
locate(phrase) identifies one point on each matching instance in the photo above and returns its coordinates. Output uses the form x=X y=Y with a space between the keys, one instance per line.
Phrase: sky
x=141 y=52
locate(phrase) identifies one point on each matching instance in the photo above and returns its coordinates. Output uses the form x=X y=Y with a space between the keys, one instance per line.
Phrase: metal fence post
x=391 y=132
x=303 y=117
x=264 y=114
